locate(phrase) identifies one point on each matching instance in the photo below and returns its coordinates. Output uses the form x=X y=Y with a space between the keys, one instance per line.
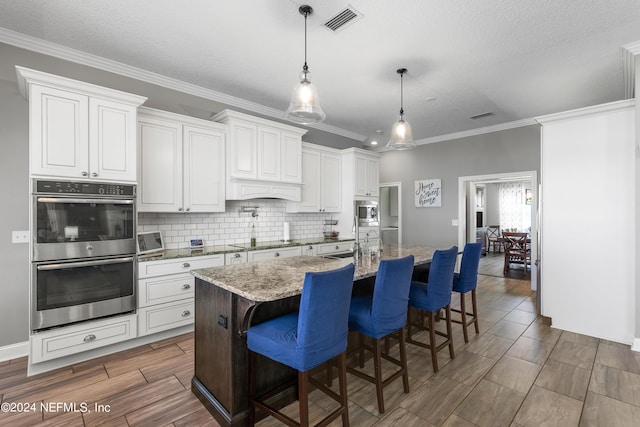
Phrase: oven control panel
x=84 y=188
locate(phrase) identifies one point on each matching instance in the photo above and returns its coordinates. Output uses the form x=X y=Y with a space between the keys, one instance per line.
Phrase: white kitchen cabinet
x=234 y=258
x=78 y=130
x=265 y=254
x=68 y=340
x=181 y=163
x=335 y=248
x=166 y=291
x=321 y=180
x=365 y=175
x=263 y=158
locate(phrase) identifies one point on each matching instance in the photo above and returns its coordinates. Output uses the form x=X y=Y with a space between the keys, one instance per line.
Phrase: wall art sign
x=428 y=193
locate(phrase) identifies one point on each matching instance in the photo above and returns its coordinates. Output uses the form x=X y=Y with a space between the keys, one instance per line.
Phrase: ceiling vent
x=481 y=115
x=339 y=20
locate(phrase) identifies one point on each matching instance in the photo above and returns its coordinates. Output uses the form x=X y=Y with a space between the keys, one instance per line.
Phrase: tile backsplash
x=233 y=226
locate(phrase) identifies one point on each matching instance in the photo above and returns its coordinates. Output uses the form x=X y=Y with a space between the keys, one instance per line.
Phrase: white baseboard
x=13 y=351
x=635 y=346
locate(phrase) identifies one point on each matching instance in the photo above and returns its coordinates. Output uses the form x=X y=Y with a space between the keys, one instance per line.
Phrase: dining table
x=229 y=299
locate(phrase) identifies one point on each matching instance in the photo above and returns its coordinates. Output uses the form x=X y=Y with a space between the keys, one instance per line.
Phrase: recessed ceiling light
x=379 y=132
x=430 y=98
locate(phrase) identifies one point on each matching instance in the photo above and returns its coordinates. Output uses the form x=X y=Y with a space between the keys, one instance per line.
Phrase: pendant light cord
x=305 y=68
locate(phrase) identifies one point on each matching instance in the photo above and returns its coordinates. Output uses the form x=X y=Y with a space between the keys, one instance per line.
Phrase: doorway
x=391 y=213
x=468 y=189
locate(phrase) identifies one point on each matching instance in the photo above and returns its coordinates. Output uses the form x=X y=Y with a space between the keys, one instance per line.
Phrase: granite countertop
x=280 y=278
x=223 y=249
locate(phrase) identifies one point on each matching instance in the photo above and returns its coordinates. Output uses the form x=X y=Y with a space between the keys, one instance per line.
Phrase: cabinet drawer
x=235 y=258
x=82 y=337
x=165 y=316
x=158 y=290
x=334 y=248
x=178 y=265
x=274 y=253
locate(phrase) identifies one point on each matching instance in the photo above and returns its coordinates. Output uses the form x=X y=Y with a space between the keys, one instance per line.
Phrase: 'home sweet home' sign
x=428 y=193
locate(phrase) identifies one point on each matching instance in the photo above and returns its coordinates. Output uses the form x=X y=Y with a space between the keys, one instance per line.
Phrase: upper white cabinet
x=321 y=180
x=263 y=157
x=365 y=177
x=182 y=163
x=79 y=130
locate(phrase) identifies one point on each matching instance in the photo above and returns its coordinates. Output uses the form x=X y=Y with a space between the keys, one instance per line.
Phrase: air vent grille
x=481 y=115
x=341 y=19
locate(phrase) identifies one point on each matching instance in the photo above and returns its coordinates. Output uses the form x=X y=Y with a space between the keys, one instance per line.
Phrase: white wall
x=588 y=221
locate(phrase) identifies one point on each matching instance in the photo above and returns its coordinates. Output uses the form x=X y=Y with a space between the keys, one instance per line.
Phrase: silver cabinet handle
x=94 y=174
x=277 y=254
x=186 y=313
x=237 y=255
x=179 y=209
x=188 y=209
x=186 y=265
x=89 y=247
x=186 y=287
x=89 y=338
x=310 y=247
x=83 y=173
x=337 y=247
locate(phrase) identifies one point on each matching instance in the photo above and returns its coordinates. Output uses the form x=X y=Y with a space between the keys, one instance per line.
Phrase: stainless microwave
x=367 y=213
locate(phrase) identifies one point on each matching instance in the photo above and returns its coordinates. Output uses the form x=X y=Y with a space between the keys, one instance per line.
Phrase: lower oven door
x=68 y=292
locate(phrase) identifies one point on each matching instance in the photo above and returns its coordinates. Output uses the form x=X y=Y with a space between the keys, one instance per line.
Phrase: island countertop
x=276 y=279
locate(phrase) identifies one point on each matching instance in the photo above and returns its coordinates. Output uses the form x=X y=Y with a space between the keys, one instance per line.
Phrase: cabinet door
x=112 y=140
x=331 y=178
x=372 y=177
x=290 y=148
x=203 y=170
x=274 y=253
x=311 y=182
x=160 y=170
x=268 y=154
x=360 y=176
x=242 y=150
x=58 y=132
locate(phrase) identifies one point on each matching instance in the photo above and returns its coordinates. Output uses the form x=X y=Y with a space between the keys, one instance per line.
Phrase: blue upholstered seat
x=383 y=314
x=303 y=340
x=467 y=281
x=431 y=297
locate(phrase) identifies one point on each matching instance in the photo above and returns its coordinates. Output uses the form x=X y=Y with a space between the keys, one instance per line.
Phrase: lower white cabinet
x=81 y=337
x=166 y=291
x=264 y=254
x=334 y=248
x=234 y=258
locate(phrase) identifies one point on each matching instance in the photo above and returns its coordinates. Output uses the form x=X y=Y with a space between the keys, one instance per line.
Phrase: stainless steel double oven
x=84 y=251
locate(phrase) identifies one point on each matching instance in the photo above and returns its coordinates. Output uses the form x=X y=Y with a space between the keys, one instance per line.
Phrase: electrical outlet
x=454 y=222
x=20 y=236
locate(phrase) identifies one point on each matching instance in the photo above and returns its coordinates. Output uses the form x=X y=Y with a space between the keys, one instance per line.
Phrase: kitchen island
x=230 y=299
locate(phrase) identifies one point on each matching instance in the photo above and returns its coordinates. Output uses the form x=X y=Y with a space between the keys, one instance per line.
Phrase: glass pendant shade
x=304 y=107
x=401 y=136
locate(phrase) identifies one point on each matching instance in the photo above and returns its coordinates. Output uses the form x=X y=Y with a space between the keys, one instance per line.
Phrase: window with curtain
x=515 y=213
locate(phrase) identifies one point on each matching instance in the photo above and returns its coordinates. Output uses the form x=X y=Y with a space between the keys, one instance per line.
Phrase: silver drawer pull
x=237 y=255
x=89 y=338
x=337 y=247
x=186 y=313
x=276 y=254
x=186 y=286
x=186 y=265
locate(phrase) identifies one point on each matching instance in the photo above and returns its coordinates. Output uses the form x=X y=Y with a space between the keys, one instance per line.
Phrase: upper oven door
x=72 y=227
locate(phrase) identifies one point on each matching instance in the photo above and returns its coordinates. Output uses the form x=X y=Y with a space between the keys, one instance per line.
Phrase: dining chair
x=305 y=339
x=380 y=316
x=466 y=281
x=515 y=250
x=429 y=298
x=494 y=238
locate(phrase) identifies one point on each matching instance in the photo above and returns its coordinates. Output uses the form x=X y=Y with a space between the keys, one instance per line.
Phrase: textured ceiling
x=515 y=58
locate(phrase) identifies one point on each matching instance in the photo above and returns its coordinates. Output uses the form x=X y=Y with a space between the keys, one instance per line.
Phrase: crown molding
x=79 y=57
x=629 y=51
x=581 y=112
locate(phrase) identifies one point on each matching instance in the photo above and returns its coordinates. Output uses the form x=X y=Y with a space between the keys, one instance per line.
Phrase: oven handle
x=83 y=263
x=76 y=200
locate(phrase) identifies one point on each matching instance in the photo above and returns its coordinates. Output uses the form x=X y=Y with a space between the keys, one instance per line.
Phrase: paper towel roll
x=285 y=232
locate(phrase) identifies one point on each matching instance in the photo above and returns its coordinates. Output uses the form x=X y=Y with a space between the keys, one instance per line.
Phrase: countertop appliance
x=84 y=251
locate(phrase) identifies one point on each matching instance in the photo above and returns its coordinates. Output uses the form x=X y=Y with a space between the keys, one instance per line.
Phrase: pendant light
x=305 y=107
x=401 y=135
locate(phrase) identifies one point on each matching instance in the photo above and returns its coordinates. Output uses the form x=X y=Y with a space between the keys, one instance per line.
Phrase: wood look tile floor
x=517 y=372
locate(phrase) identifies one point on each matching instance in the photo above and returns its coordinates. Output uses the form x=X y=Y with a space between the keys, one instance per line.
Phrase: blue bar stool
x=383 y=315
x=314 y=335
x=465 y=281
x=430 y=297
